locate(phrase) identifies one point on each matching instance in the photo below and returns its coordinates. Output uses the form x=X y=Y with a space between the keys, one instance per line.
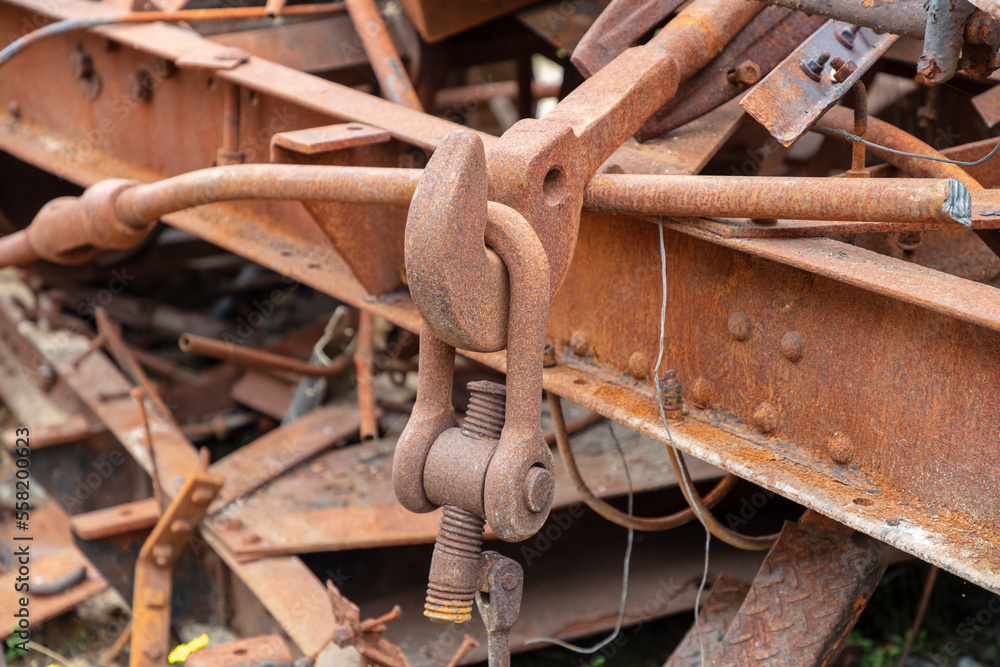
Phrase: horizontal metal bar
x=852 y=200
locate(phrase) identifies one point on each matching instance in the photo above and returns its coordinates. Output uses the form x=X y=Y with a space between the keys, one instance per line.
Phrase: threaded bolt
x=671 y=394
x=814 y=67
x=487 y=408
x=452 y=585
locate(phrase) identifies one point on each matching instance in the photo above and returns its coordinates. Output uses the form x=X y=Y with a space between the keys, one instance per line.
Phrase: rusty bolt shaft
x=454 y=575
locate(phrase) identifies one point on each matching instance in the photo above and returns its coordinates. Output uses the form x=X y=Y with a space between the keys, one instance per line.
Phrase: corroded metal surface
x=796 y=361
x=805 y=600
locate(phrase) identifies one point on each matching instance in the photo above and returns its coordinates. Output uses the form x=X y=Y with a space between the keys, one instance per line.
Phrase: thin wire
x=670 y=437
x=697 y=600
x=871 y=144
x=625 y=574
x=694 y=500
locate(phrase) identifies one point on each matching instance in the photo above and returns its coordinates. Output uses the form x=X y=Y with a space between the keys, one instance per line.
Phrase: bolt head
x=746 y=73
x=765 y=419
x=509 y=581
x=738 y=326
x=539 y=490
x=793 y=346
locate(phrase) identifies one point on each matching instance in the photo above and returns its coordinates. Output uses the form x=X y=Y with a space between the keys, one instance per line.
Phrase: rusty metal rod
x=254 y=358
x=364 y=355
x=902 y=17
x=848 y=200
x=392 y=77
x=143 y=204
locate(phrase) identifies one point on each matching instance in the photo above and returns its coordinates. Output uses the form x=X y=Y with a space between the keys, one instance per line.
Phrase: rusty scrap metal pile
x=339 y=248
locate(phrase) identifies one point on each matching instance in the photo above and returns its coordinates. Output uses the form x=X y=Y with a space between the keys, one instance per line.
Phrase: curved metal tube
x=144 y=204
x=612 y=514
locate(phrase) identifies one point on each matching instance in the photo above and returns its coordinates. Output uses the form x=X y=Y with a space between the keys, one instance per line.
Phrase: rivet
x=251 y=539
x=739 y=326
x=840 y=447
x=793 y=346
x=638 y=366
x=580 y=344
x=701 y=392
x=765 y=419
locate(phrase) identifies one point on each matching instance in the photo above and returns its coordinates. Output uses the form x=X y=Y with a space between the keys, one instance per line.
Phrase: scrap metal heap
x=691 y=242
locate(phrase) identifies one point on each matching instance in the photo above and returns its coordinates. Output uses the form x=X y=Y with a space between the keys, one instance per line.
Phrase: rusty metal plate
x=808 y=595
x=328 y=138
x=790 y=100
x=344 y=499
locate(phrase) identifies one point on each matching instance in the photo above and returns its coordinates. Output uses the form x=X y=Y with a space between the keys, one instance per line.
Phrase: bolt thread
x=837 y=63
x=459 y=537
x=461 y=533
x=487 y=410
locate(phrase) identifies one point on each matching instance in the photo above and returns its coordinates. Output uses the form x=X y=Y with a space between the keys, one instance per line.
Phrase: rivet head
x=539 y=489
x=840 y=448
x=739 y=326
x=251 y=539
x=638 y=366
x=580 y=344
x=765 y=419
x=701 y=392
x=793 y=346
